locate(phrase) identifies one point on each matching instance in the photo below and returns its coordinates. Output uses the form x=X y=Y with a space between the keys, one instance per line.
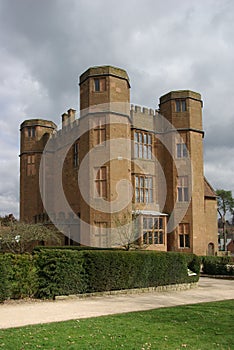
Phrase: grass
x=200 y=326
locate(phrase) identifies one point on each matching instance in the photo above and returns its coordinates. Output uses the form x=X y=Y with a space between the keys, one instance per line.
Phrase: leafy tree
x=20 y=238
x=225 y=203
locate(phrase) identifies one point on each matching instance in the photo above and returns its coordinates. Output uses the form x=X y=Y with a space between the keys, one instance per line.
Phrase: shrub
x=5 y=271
x=215 y=265
x=59 y=272
x=23 y=279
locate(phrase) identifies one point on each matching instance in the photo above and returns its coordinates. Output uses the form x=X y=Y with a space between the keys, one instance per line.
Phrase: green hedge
x=59 y=272
x=64 y=272
x=134 y=269
x=217 y=265
x=51 y=272
x=18 y=278
x=5 y=271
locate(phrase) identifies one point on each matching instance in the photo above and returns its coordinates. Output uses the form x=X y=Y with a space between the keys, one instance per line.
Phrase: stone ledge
x=223 y=277
x=168 y=288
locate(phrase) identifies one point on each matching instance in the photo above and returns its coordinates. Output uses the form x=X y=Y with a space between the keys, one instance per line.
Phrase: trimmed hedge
x=217 y=265
x=51 y=272
x=5 y=269
x=63 y=272
x=60 y=272
x=18 y=278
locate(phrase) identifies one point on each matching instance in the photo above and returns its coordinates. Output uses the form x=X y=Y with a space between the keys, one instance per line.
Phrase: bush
x=23 y=279
x=5 y=271
x=18 y=277
x=216 y=265
x=60 y=272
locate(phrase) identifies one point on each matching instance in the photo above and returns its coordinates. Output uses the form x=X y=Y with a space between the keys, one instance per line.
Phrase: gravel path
x=21 y=313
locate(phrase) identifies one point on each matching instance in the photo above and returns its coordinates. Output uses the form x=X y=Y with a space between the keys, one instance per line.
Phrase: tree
x=20 y=238
x=225 y=203
x=127 y=229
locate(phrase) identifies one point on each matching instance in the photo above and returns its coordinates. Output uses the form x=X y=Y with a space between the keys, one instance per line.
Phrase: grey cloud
x=163 y=45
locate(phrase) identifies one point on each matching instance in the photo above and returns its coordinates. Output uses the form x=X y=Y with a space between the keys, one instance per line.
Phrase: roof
x=209 y=192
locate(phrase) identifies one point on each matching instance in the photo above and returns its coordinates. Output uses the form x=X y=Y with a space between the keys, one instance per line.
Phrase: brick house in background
x=119 y=143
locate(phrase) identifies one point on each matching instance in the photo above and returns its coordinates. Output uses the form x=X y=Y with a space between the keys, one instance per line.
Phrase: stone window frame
x=184 y=235
x=182 y=189
x=76 y=154
x=31 y=165
x=101 y=182
x=31 y=131
x=99 y=130
x=99 y=84
x=99 y=227
x=143 y=188
x=180 y=105
x=153 y=230
x=181 y=146
x=143 y=144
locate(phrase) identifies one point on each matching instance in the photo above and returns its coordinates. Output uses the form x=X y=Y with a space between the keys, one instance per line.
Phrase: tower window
x=101 y=182
x=99 y=84
x=181 y=150
x=180 y=105
x=184 y=239
x=31 y=167
x=182 y=189
x=99 y=131
x=76 y=154
x=101 y=237
x=31 y=131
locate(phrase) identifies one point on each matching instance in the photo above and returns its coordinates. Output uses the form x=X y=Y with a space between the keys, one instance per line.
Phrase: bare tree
x=225 y=203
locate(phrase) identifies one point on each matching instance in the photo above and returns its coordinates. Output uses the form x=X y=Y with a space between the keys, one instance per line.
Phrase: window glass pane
x=187 y=243
x=141 y=195
x=144 y=223
x=145 y=138
x=145 y=152
x=149 y=152
x=156 y=238
x=186 y=197
x=181 y=237
x=140 y=150
x=140 y=137
x=145 y=238
x=150 y=238
x=137 y=195
x=141 y=181
x=178 y=151
x=150 y=223
x=180 y=197
x=177 y=105
x=160 y=237
x=136 y=150
x=137 y=181
x=185 y=151
x=160 y=223
x=149 y=139
x=151 y=196
x=96 y=85
x=136 y=136
x=183 y=105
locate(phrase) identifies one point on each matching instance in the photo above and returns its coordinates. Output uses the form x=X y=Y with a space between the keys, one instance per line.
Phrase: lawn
x=200 y=326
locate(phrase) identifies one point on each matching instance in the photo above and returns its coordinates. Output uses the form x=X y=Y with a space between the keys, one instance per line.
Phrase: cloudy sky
x=164 y=45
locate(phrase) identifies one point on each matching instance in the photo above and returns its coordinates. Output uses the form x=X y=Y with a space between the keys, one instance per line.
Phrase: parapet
x=142 y=110
x=38 y=122
x=172 y=95
x=104 y=71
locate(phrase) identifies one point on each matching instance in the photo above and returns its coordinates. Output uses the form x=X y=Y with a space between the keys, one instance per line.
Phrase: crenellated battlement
x=143 y=110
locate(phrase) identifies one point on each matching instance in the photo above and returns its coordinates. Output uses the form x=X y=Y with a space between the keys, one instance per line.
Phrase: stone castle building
x=117 y=163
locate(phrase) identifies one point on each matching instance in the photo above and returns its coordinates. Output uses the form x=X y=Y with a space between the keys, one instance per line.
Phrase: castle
x=119 y=173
